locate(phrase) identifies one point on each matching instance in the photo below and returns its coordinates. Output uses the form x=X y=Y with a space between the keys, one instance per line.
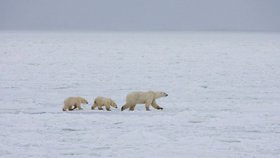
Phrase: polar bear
x=147 y=98
x=103 y=101
x=72 y=103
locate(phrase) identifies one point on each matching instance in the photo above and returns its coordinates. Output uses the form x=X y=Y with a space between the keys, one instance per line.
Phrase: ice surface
x=224 y=94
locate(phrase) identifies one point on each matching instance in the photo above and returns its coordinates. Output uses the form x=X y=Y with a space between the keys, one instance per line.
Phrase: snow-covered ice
x=224 y=94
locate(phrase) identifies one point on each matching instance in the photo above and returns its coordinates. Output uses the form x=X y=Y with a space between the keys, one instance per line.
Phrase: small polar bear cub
x=147 y=98
x=72 y=103
x=103 y=101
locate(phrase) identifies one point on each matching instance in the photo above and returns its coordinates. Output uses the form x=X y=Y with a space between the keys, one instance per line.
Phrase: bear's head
x=113 y=104
x=160 y=94
x=83 y=100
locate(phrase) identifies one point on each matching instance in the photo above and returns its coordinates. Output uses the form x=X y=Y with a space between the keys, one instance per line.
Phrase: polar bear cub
x=72 y=103
x=103 y=101
x=147 y=98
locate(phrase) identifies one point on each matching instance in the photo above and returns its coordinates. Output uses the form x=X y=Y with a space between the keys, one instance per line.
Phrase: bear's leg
x=156 y=106
x=65 y=108
x=107 y=107
x=132 y=107
x=100 y=107
x=79 y=106
x=125 y=107
x=147 y=104
x=93 y=106
x=71 y=108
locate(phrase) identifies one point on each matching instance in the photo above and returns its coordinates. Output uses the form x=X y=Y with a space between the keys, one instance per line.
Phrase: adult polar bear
x=147 y=98
x=72 y=103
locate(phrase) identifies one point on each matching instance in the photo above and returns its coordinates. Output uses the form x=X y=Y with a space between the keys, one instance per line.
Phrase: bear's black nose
x=166 y=94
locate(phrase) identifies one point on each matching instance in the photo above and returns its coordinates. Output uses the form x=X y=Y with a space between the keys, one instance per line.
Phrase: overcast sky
x=252 y=15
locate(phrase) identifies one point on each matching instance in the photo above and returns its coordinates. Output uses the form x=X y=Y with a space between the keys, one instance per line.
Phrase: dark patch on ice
x=229 y=98
x=204 y=86
x=125 y=89
x=33 y=64
x=102 y=148
x=231 y=141
x=63 y=87
x=195 y=121
x=70 y=129
x=36 y=113
x=30 y=145
x=11 y=87
x=94 y=154
x=120 y=52
x=227 y=110
x=117 y=123
x=211 y=116
x=221 y=74
x=253 y=131
x=4 y=153
x=67 y=86
x=72 y=154
x=14 y=111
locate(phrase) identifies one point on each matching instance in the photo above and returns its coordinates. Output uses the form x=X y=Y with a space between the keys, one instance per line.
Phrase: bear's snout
x=166 y=94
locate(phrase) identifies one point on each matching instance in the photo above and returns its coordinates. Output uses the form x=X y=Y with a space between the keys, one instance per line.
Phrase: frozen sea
x=224 y=94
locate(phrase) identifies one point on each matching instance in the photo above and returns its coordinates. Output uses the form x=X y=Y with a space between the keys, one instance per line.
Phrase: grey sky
x=254 y=15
